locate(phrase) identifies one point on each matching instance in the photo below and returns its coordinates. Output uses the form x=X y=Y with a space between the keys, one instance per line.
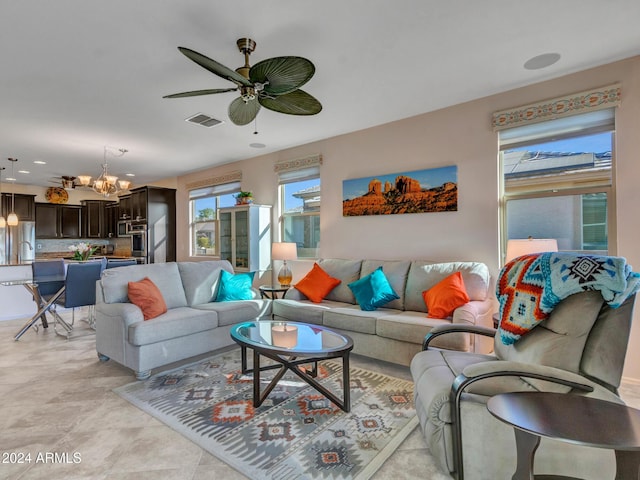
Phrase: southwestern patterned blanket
x=530 y=286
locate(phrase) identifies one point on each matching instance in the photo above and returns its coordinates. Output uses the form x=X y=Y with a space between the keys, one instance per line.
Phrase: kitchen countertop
x=29 y=262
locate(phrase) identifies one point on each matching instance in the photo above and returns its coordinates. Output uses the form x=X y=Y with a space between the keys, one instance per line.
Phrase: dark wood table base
x=293 y=364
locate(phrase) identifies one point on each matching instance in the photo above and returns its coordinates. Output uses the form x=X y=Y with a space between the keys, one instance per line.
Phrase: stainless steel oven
x=138 y=234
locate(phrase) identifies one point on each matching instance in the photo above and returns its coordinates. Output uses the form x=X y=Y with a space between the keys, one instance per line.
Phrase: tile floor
x=55 y=396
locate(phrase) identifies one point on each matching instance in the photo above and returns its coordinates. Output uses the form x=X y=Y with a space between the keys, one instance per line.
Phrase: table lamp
x=284 y=251
x=525 y=246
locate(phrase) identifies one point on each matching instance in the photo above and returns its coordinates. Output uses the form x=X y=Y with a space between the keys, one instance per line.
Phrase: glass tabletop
x=291 y=337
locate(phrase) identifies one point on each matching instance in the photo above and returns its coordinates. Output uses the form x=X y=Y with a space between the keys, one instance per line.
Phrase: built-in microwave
x=123 y=228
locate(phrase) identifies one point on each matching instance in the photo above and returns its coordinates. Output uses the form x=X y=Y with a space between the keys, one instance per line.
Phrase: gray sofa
x=193 y=324
x=395 y=332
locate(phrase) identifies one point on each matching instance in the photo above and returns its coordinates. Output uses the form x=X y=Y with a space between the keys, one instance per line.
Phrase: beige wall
x=459 y=135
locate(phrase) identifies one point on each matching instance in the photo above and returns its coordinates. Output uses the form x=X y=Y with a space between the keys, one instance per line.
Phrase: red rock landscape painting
x=420 y=191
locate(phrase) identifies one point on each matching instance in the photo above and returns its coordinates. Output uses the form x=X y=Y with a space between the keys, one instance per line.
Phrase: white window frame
x=213 y=192
x=580 y=184
x=287 y=178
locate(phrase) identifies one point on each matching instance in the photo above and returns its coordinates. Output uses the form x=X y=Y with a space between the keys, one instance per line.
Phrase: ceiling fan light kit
x=273 y=83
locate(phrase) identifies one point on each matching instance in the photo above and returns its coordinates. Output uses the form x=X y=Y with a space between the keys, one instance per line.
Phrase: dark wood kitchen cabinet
x=124 y=208
x=58 y=221
x=95 y=221
x=24 y=206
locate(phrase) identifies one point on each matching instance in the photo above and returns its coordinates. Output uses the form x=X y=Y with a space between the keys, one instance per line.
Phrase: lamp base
x=284 y=275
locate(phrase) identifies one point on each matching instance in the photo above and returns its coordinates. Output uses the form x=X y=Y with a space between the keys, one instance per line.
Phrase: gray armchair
x=580 y=349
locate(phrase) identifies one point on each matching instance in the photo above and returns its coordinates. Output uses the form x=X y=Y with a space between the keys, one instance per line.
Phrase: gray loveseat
x=193 y=324
x=395 y=331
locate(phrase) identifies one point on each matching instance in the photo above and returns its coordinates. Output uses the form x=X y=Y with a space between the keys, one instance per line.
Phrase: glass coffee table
x=291 y=345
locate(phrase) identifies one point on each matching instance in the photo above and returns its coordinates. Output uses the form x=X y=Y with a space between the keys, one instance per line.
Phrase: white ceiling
x=76 y=75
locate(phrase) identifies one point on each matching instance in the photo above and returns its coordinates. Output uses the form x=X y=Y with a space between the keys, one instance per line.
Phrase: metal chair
x=44 y=289
x=80 y=291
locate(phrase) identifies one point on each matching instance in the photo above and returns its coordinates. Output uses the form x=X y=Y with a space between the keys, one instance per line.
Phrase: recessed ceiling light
x=130 y=174
x=10 y=179
x=39 y=162
x=24 y=171
x=541 y=61
x=257 y=145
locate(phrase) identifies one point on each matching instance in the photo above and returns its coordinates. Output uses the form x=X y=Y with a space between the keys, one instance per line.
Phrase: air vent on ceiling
x=204 y=120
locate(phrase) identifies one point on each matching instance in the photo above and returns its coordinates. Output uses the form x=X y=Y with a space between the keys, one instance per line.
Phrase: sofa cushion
x=166 y=276
x=353 y=319
x=412 y=327
x=317 y=284
x=200 y=279
x=346 y=271
x=235 y=286
x=232 y=312
x=423 y=275
x=303 y=310
x=396 y=273
x=146 y=296
x=444 y=297
x=373 y=290
x=176 y=322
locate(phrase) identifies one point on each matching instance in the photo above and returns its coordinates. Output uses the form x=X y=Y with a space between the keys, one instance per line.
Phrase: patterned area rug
x=296 y=433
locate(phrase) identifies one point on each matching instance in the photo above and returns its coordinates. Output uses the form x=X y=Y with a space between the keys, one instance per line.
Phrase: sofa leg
x=103 y=358
x=143 y=375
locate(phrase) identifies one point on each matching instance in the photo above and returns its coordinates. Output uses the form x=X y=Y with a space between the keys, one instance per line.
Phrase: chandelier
x=105 y=184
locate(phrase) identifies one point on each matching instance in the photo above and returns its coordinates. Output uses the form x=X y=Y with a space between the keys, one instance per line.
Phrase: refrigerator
x=17 y=244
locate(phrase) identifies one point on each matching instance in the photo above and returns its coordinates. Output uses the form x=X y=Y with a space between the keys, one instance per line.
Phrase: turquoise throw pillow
x=235 y=287
x=373 y=290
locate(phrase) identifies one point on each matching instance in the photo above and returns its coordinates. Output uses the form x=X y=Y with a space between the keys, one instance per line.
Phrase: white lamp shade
x=12 y=219
x=525 y=246
x=84 y=180
x=284 y=251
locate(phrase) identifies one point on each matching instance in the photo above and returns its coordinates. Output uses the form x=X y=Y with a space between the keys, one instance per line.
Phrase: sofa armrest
x=456 y=328
x=125 y=313
x=474 y=312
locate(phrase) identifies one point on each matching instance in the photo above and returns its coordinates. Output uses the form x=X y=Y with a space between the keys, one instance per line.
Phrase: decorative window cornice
x=298 y=163
x=235 y=176
x=587 y=101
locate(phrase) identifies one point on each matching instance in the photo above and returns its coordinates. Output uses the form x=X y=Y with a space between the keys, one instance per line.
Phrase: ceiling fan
x=68 y=182
x=273 y=83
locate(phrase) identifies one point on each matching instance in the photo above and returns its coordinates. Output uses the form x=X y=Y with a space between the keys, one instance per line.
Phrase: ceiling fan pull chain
x=255 y=126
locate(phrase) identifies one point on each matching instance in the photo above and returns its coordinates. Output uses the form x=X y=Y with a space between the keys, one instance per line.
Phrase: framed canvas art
x=419 y=191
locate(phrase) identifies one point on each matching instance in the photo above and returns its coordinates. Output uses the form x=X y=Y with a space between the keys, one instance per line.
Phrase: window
x=204 y=204
x=300 y=207
x=557 y=181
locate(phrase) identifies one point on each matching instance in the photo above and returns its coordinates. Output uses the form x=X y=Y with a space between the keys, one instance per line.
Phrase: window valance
x=572 y=104
x=312 y=161
x=231 y=177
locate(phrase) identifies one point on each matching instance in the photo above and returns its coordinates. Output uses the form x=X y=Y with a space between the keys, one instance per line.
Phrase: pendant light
x=12 y=218
x=3 y=222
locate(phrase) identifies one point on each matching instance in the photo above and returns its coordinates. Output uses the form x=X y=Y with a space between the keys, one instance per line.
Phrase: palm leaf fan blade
x=215 y=67
x=282 y=74
x=195 y=93
x=241 y=112
x=297 y=102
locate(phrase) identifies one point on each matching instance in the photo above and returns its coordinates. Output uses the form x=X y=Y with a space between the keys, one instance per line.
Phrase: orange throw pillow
x=317 y=284
x=444 y=297
x=146 y=295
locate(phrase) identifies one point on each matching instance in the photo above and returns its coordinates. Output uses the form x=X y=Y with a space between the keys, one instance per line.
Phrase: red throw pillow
x=444 y=297
x=317 y=284
x=146 y=295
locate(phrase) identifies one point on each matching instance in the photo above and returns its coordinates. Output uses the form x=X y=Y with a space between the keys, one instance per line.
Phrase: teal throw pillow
x=235 y=287
x=373 y=290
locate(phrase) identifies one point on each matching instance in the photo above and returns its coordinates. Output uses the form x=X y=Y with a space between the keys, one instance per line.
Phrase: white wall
x=459 y=135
